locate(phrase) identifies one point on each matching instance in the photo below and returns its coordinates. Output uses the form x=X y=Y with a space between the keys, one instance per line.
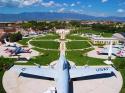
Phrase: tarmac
x=94 y=54
x=13 y=83
x=21 y=55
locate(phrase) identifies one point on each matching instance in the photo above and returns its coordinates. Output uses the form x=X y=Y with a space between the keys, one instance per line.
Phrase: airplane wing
x=89 y=71
x=46 y=72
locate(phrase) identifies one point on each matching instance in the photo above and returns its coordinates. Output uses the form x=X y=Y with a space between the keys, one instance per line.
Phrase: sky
x=89 y=7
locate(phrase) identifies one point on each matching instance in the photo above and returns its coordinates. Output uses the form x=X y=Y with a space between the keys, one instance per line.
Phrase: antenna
x=37 y=65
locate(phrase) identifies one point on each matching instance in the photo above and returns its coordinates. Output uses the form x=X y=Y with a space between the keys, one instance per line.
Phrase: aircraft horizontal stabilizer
x=89 y=71
x=39 y=71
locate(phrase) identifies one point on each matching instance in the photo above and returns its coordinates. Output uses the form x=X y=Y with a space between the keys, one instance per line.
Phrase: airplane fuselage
x=62 y=78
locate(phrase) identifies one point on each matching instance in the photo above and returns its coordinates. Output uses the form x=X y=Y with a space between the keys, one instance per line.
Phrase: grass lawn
x=88 y=31
x=95 y=32
x=45 y=59
x=46 y=44
x=79 y=59
x=24 y=41
x=1 y=86
x=120 y=65
x=5 y=63
x=75 y=37
x=107 y=34
x=47 y=37
x=123 y=76
x=77 y=45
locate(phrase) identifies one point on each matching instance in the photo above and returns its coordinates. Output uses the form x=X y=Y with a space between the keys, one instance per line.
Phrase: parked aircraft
x=109 y=62
x=105 y=51
x=18 y=50
x=121 y=53
x=63 y=73
x=117 y=50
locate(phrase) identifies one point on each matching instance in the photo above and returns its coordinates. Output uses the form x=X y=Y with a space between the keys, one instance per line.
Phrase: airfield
x=13 y=83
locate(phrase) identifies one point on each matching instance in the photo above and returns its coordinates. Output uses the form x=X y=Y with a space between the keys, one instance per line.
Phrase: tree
x=15 y=37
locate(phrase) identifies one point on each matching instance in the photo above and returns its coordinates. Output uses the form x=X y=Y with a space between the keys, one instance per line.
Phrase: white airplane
x=109 y=62
x=118 y=50
x=115 y=50
x=9 y=44
x=63 y=73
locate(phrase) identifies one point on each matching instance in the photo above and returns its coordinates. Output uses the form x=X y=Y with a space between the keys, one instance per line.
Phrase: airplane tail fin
x=110 y=51
x=5 y=41
x=109 y=61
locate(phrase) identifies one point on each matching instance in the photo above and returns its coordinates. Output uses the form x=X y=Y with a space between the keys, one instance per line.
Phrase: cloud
x=73 y=4
x=18 y=3
x=78 y=2
x=61 y=10
x=23 y=3
x=28 y=2
x=120 y=10
x=48 y=4
x=65 y=4
x=51 y=11
x=89 y=6
x=75 y=11
x=103 y=1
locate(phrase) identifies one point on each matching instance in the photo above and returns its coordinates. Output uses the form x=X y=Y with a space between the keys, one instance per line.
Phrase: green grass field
x=5 y=64
x=107 y=34
x=120 y=65
x=24 y=41
x=77 y=45
x=45 y=44
x=94 y=32
x=46 y=57
x=80 y=59
x=122 y=71
x=47 y=37
x=75 y=37
x=1 y=86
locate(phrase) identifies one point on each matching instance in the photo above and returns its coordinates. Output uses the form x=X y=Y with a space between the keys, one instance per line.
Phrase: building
x=120 y=36
x=59 y=31
x=7 y=27
x=103 y=40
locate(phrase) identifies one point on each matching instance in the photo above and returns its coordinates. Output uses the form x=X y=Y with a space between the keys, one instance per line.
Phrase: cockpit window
x=65 y=65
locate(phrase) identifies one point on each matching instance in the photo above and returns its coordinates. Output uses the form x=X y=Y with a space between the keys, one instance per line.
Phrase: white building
x=103 y=40
x=59 y=31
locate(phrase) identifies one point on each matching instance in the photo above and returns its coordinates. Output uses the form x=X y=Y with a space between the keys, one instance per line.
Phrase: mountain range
x=40 y=16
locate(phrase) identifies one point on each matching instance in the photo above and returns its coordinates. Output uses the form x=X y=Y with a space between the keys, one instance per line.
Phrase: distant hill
x=53 y=16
